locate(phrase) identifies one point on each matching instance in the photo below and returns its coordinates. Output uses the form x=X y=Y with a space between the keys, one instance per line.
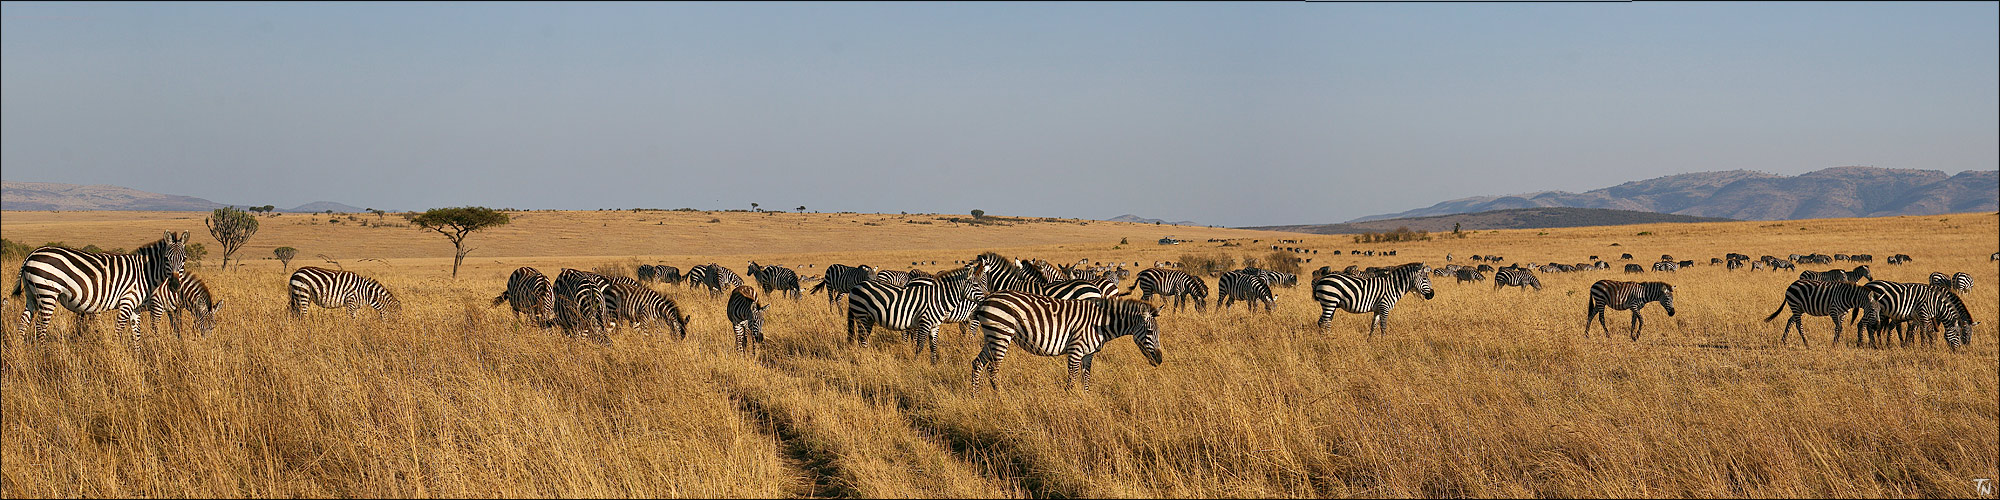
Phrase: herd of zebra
x=1048 y=310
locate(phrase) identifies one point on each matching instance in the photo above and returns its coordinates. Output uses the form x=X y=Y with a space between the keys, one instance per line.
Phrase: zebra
x=1050 y=327
x=1245 y=285
x=331 y=288
x=192 y=295
x=646 y=272
x=1076 y=289
x=695 y=275
x=1819 y=298
x=636 y=304
x=1276 y=278
x=717 y=278
x=1004 y=275
x=1516 y=277
x=529 y=291
x=916 y=309
x=1666 y=266
x=1960 y=282
x=580 y=302
x=779 y=278
x=893 y=277
x=1626 y=295
x=1898 y=303
x=667 y=274
x=1377 y=294
x=1732 y=264
x=746 y=317
x=88 y=283
x=1466 y=274
x=1172 y=283
x=840 y=278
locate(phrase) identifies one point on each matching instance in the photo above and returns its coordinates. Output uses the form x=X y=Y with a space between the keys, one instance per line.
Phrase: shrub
x=1201 y=264
x=1282 y=261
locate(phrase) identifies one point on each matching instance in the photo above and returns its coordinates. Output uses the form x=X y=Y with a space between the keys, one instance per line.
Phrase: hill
x=58 y=196
x=1138 y=220
x=322 y=206
x=1749 y=195
x=1517 y=218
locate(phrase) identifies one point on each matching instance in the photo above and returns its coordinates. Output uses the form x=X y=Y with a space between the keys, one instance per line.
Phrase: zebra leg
x=1326 y=316
x=1802 y=331
x=1087 y=358
x=741 y=339
x=1590 y=312
x=1076 y=357
x=1638 y=323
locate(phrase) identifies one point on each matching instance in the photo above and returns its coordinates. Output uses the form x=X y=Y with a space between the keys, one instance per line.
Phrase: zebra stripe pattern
x=915 y=309
x=718 y=278
x=1378 y=294
x=1960 y=282
x=88 y=283
x=1623 y=296
x=529 y=291
x=1666 y=266
x=776 y=278
x=192 y=296
x=893 y=277
x=840 y=279
x=330 y=289
x=637 y=305
x=1172 y=283
x=1819 y=298
x=1896 y=304
x=1509 y=276
x=580 y=302
x=1245 y=285
x=1048 y=327
x=746 y=317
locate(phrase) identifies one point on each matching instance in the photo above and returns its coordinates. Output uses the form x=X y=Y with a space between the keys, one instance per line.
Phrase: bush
x=1202 y=264
x=10 y=250
x=1282 y=261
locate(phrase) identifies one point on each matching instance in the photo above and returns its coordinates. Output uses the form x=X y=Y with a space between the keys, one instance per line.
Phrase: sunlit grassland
x=1478 y=392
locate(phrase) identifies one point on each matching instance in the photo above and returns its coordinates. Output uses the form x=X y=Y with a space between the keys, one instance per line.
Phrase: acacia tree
x=455 y=223
x=285 y=255
x=232 y=228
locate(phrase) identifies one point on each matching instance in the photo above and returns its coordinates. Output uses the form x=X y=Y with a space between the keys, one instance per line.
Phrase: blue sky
x=1232 y=114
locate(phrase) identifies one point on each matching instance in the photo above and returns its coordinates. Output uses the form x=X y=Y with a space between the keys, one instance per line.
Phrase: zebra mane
x=1126 y=307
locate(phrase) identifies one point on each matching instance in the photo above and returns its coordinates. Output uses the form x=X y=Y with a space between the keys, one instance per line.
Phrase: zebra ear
x=214 y=307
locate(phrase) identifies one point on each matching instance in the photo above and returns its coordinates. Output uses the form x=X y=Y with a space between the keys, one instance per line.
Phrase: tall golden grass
x=1478 y=392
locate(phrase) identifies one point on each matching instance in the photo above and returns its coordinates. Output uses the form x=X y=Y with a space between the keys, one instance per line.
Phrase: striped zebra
x=695 y=275
x=893 y=277
x=916 y=309
x=1075 y=289
x=840 y=279
x=1172 y=283
x=667 y=274
x=1049 y=327
x=1819 y=298
x=330 y=289
x=1626 y=295
x=1666 y=266
x=1465 y=274
x=192 y=296
x=636 y=304
x=1276 y=278
x=961 y=316
x=580 y=302
x=1913 y=308
x=746 y=317
x=88 y=283
x=1508 y=276
x=1379 y=294
x=1004 y=275
x=529 y=291
x=717 y=278
x=776 y=278
x=1245 y=285
x=1960 y=282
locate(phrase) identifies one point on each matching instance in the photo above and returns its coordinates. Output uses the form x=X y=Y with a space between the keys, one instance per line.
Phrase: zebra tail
x=500 y=300
x=817 y=287
x=1774 y=314
x=17 y=288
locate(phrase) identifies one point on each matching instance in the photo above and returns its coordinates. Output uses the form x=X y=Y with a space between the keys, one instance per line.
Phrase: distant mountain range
x=1748 y=195
x=1137 y=219
x=1517 y=218
x=58 y=196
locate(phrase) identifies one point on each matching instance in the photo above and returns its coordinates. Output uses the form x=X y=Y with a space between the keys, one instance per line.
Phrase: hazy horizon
x=1222 y=114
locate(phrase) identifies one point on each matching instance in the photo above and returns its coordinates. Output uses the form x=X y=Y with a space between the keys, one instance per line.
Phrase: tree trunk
x=456 y=258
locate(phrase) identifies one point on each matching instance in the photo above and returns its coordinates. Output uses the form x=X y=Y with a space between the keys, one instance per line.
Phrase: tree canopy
x=232 y=228
x=455 y=223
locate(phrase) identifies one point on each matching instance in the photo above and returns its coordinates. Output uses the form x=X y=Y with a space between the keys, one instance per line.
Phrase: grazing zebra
x=746 y=317
x=580 y=302
x=1733 y=264
x=1245 y=285
x=695 y=275
x=1044 y=271
x=330 y=289
x=717 y=278
x=1634 y=268
x=1465 y=274
x=1076 y=289
x=667 y=274
x=840 y=278
x=1819 y=298
x=1516 y=277
x=1006 y=275
x=1377 y=294
x=893 y=277
x=916 y=309
x=192 y=295
x=636 y=305
x=1172 y=283
x=1666 y=266
x=529 y=291
x=88 y=283
x=1960 y=281
x=1276 y=278
x=1626 y=295
x=646 y=272
x=780 y=278
x=1049 y=327
x=1893 y=303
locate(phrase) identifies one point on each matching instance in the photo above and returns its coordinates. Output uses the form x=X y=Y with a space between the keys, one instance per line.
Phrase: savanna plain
x=1477 y=392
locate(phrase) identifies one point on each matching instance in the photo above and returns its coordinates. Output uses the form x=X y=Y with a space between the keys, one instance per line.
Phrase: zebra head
x=168 y=257
x=1138 y=319
x=1662 y=292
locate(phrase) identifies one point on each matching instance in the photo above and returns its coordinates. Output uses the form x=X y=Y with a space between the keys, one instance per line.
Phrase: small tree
x=802 y=209
x=378 y=213
x=978 y=214
x=285 y=255
x=232 y=228
x=753 y=206
x=195 y=251
x=455 y=223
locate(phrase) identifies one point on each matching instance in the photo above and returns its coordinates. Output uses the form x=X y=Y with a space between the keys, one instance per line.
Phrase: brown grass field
x=1478 y=392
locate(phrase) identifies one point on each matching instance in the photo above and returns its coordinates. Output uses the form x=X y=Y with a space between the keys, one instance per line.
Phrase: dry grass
x=1476 y=393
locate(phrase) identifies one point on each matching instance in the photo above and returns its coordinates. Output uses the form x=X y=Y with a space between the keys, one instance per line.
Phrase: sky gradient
x=1229 y=114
